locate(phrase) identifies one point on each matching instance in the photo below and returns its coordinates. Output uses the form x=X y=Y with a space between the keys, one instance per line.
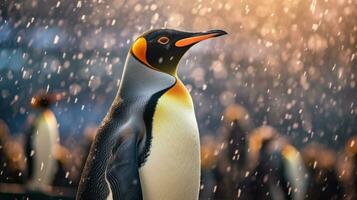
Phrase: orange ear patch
x=139 y=49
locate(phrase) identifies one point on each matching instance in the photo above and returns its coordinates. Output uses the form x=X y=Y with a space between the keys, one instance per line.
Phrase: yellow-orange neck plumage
x=180 y=93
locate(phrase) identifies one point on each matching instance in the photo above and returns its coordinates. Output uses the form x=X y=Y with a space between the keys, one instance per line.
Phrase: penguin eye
x=163 y=40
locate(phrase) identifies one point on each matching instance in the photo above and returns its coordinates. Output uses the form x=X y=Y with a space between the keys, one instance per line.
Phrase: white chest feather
x=172 y=170
x=44 y=140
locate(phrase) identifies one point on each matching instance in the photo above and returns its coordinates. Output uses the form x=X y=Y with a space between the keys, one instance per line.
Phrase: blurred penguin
x=41 y=142
x=347 y=169
x=4 y=138
x=208 y=162
x=279 y=169
x=64 y=174
x=233 y=151
x=324 y=183
x=12 y=165
x=351 y=149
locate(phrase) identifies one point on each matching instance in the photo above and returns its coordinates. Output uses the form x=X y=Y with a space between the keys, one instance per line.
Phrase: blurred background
x=277 y=97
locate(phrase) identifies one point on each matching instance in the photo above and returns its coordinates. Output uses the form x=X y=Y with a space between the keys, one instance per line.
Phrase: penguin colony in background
x=253 y=164
x=147 y=147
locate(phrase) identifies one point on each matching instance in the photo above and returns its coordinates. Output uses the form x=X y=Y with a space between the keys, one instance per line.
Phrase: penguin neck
x=46 y=113
x=48 y=117
x=140 y=81
x=179 y=93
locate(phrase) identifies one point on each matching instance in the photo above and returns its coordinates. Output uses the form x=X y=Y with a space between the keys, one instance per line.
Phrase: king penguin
x=40 y=144
x=147 y=146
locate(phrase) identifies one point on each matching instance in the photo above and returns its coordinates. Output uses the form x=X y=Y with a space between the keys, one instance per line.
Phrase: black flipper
x=111 y=170
x=123 y=166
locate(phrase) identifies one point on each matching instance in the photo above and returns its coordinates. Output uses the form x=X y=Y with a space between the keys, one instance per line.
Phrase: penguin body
x=148 y=145
x=123 y=140
x=43 y=139
x=175 y=149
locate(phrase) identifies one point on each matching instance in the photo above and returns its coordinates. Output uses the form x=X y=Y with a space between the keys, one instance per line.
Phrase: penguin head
x=162 y=49
x=43 y=100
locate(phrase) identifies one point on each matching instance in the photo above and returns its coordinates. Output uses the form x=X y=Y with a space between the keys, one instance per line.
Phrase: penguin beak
x=194 y=38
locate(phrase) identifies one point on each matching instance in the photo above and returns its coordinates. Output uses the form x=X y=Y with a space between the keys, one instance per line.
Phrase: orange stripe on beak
x=192 y=40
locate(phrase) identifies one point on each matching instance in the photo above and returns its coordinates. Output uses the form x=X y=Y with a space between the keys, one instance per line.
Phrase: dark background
x=290 y=64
